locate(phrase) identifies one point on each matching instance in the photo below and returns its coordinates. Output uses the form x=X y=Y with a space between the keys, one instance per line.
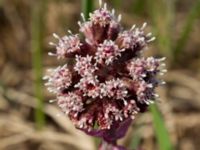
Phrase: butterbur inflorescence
x=107 y=81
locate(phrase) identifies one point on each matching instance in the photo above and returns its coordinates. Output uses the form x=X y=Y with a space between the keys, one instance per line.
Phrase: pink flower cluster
x=107 y=81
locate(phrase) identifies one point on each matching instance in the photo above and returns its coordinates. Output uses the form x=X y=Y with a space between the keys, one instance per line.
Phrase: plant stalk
x=37 y=30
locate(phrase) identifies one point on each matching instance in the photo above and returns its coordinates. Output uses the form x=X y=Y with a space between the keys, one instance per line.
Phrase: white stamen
x=83 y=17
x=52 y=100
x=151 y=39
x=49 y=70
x=149 y=34
x=163 y=65
x=156 y=95
x=75 y=115
x=90 y=15
x=147 y=102
x=143 y=75
x=119 y=18
x=81 y=125
x=45 y=77
x=151 y=102
x=133 y=27
x=132 y=117
x=56 y=36
x=143 y=26
x=100 y=3
x=162 y=59
x=161 y=73
x=113 y=11
x=164 y=70
x=105 y=6
x=79 y=23
x=69 y=31
x=150 y=86
x=51 y=54
x=162 y=82
x=52 y=44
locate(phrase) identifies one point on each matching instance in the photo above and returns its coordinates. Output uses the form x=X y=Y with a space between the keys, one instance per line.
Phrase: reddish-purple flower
x=107 y=81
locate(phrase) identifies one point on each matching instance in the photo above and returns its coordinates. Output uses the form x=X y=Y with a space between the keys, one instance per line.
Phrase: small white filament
x=100 y=3
x=79 y=23
x=52 y=44
x=105 y=6
x=83 y=17
x=52 y=100
x=163 y=82
x=133 y=27
x=113 y=12
x=56 y=36
x=45 y=78
x=119 y=18
x=164 y=70
x=162 y=59
x=69 y=31
x=152 y=39
x=51 y=54
x=149 y=34
x=144 y=25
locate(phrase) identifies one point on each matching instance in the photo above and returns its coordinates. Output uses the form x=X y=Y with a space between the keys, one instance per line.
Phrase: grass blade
x=87 y=7
x=160 y=129
x=162 y=15
x=135 y=142
x=194 y=13
x=37 y=23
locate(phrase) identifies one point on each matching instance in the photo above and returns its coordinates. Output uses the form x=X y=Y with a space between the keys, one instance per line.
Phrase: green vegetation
x=188 y=26
x=162 y=16
x=87 y=7
x=160 y=129
x=37 y=30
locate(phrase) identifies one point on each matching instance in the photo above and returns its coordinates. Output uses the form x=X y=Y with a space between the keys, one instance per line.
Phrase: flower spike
x=107 y=81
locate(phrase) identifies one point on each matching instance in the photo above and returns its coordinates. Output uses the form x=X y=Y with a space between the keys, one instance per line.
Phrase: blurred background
x=29 y=122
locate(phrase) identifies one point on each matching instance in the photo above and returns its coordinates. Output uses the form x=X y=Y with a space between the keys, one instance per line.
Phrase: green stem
x=136 y=139
x=87 y=7
x=160 y=129
x=37 y=28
